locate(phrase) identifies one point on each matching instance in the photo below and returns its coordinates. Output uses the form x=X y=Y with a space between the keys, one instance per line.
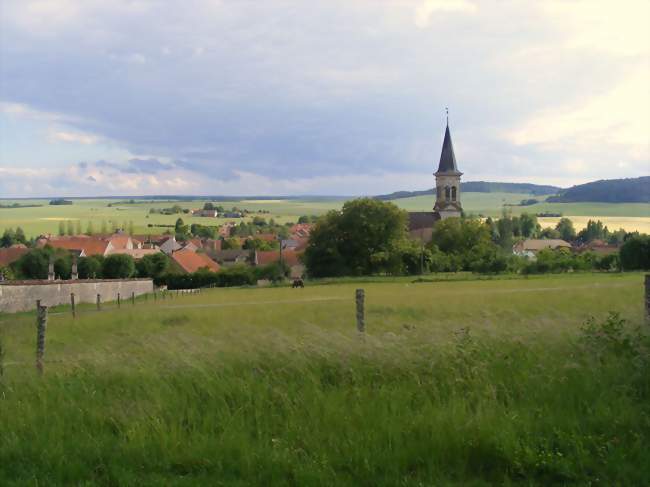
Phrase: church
x=447 y=194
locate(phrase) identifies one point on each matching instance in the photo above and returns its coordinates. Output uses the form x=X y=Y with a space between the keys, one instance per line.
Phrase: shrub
x=118 y=266
x=635 y=253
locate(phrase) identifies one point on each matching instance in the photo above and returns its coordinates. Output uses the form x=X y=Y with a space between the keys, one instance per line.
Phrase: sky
x=327 y=97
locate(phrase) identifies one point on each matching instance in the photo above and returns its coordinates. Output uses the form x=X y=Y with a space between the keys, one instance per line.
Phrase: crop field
x=456 y=382
x=45 y=219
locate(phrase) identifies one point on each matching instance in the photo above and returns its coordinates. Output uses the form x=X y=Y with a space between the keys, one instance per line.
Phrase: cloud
x=74 y=137
x=325 y=90
x=428 y=8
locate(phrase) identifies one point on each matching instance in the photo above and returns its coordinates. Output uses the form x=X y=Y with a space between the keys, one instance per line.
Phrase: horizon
x=327 y=100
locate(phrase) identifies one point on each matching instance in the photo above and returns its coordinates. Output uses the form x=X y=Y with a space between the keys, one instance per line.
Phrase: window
x=447 y=193
x=453 y=193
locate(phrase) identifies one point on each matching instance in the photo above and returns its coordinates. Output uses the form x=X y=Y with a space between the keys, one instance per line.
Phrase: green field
x=490 y=204
x=45 y=219
x=486 y=382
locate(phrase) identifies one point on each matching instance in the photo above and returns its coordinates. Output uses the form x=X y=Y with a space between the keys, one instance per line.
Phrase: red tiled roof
x=11 y=254
x=265 y=257
x=192 y=261
x=90 y=245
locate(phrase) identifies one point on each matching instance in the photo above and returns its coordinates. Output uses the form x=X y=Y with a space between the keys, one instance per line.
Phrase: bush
x=90 y=267
x=118 y=266
x=635 y=253
x=154 y=265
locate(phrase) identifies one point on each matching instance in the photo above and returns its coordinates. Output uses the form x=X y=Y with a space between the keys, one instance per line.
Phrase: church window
x=453 y=193
x=447 y=193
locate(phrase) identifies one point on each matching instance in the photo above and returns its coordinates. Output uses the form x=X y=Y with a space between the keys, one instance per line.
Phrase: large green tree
x=566 y=229
x=635 y=253
x=363 y=238
x=118 y=266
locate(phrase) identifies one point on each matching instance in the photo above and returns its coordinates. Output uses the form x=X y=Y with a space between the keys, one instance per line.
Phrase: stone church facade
x=447 y=203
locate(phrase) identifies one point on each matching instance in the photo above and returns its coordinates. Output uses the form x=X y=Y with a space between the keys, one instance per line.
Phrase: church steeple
x=447 y=181
x=447 y=156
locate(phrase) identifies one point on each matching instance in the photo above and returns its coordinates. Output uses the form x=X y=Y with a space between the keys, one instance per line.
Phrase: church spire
x=447 y=157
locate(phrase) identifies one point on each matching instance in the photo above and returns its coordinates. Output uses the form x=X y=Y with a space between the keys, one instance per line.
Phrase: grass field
x=45 y=219
x=487 y=382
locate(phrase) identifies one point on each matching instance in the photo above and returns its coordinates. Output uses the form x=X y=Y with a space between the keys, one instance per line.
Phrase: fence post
x=99 y=302
x=647 y=297
x=41 y=326
x=360 y=297
x=133 y=298
x=74 y=311
x=118 y=300
x=155 y=298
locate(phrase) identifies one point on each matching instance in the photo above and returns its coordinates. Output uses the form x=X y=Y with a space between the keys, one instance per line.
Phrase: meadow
x=45 y=219
x=455 y=382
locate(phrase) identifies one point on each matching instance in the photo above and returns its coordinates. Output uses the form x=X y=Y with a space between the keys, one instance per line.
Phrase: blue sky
x=320 y=97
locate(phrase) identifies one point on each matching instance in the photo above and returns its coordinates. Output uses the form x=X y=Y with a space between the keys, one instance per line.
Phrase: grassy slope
x=262 y=390
x=490 y=204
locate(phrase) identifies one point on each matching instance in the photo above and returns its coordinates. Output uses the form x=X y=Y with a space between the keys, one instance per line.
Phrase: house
x=232 y=214
x=301 y=230
x=170 y=245
x=190 y=261
x=290 y=257
x=205 y=213
x=296 y=244
x=11 y=254
x=233 y=256
x=530 y=246
x=599 y=247
x=84 y=244
x=226 y=229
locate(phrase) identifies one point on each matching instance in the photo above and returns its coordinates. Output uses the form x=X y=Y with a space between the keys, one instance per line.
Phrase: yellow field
x=628 y=223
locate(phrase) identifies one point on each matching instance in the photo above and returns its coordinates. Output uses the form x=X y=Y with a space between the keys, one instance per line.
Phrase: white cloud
x=74 y=137
x=425 y=11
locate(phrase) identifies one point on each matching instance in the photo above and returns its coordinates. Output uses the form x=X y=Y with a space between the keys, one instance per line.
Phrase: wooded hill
x=481 y=187
x=630 y=190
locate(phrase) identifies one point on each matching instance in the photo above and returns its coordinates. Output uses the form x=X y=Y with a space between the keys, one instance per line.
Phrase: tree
x=91 y=267
x=528 y=225
x=153 y=265
x=259 y=244
x=259 y=221
x=303 y=219
x=208 y=206
x=467 y=245
x=594 y=230
x=566 y=230
x=180 y=228
x=230 y=244
x=8 y=238
x=131 y=232
x=635 y=253
x=34 y=264
x=61 y=228
x=70 y=227
x=118 y=266
x=362 y=239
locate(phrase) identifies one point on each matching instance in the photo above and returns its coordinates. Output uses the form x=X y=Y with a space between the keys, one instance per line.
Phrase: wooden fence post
x=118 y=300
x=133 y=298
x=41 y=326
x=360 y=297
x=99 y=302
x=647 y=297
x=74 y=311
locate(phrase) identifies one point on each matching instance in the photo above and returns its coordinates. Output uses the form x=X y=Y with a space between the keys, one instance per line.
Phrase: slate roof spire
x=447 y=157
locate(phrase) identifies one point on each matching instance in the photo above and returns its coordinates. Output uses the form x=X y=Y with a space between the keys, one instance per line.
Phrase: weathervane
x=447 y=112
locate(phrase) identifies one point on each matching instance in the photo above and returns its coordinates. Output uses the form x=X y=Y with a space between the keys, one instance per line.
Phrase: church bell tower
x=447 y=181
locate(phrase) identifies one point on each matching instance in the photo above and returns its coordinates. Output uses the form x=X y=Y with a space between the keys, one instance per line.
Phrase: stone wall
x=22 y=295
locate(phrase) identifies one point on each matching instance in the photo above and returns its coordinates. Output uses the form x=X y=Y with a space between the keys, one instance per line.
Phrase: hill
x=481 y=187
x=630 y=190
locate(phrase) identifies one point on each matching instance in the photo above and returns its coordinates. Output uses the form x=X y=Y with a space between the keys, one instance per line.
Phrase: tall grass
x=238 y=396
